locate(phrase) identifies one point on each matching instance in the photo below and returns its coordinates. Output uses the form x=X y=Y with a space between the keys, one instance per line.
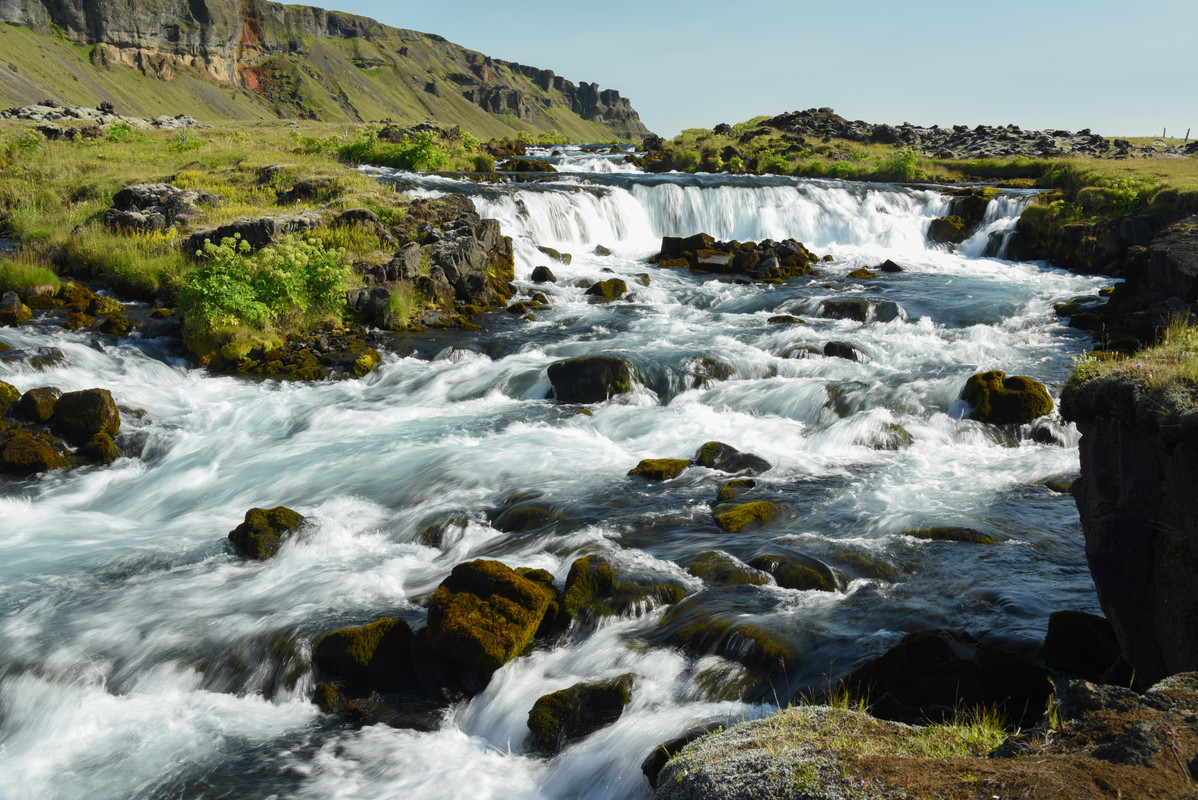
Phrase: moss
x=27 y=455
x=564 y=258
x=948 y=533
x=747 y=515
x=947 y=230
x=374 y=656
x=865 y=566
x=264 y=530
x=800 y=573
x=9 y=395
x=735 y=488
x=484 y=614
x=367 y=361
x=81 y=415
x=608 y=290
x=101 y=448
x=593 y=590
x=660 y=469
x=571 y=714
x=37 y=405
x=785 y=319
x=590 y=578
x=1002 y=400
x=673 y=262
x=717 y=567
x=862 y=274
x=329 y=698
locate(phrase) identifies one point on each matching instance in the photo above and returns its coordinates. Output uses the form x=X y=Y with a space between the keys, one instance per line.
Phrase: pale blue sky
x=1109 y=66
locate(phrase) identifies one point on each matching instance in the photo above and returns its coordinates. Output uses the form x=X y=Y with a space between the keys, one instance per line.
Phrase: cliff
x=235 y=59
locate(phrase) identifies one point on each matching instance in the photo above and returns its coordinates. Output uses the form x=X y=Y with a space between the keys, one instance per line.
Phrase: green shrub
x=424 y=151
x=122 y=132
x=902 y=166
x=484 y=162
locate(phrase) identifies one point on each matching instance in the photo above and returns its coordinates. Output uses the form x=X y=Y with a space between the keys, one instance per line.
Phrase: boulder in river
x=83 y=414
x=377 y=656
x=715 y=566
x=571 y=714
x=594 y=589
x=800 y=572
x=12 y=310
x=590 y=379
x=608 y=290
x=37 y=405
x=660 y=469
x=950 y=533
x=746 y=515
x=9 y=395
x=1002 y=400
x=28 y=455
x=543 y=275
x=726 y=458
x=485 y=614
x=264 y=530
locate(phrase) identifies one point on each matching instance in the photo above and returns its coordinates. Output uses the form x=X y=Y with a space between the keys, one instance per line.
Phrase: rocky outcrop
x=43 y=429
x=1139 y=512
x=1001 y=400
x=766 y=261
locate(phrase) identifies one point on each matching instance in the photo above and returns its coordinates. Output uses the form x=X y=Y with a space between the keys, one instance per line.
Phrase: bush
x=484 y=162
x=293 y=284
x=424 y=151
x=902 y=166
x=122 y=132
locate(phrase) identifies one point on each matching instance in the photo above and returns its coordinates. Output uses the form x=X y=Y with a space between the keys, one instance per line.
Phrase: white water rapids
x=140 y=659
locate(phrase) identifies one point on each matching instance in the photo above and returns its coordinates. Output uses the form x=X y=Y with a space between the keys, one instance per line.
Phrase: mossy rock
x=593 y=590
x=590 y=379
x=702 y=629
x=77 y=320
x=526 y=165
x=377 y=656
x=9 y=395
x=116 y=325
x=705 y=370
x=330 y=699
x=801 y=573
x=1001 y=400
x=4 y=348
x=726 y=458
x=13 y=311
x=863 y=566
x=81 y=415
x=524 y=517
x=735 y=488
x=484 y=614
x=862 y=274
x=101 y=449
x=1061 y=484
x=660 y=469
x=718 y=567
x=785 y=319
x=517 y=308
x=543 y=275
x=608 y=290
x=600 y=250
x=747 y=515
x=892 y=437
x=889 y=266
x=563 y=258
x=948 y=230
x=434 y=533
x=366 y=362
x=571 y=714
x=37 y=405
x=264 y=530
x=28 y=455
x=950 y=533
x=857 y=310
x=673 y=263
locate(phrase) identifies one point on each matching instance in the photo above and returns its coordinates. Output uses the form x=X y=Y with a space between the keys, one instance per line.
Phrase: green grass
x=24 y=273
x=1170 y=367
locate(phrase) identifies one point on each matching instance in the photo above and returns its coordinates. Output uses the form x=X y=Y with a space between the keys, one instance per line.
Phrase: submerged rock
x=1002 y=400
x=715 y=566
x=949 y=533
x=726 y=458
x=593 y=589
x=801 y=573
x=590 y=379
x=747 y=515
x=264 y=530
x=571 y=714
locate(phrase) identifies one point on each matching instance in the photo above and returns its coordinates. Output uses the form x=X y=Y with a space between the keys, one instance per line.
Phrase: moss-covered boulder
x=543 y=275
x=705 y=371
x=660 y=469
x=524 y=516
x=785 y=319
x=264 y=530
x=948 y=230
x=377 y=656
x=329 y=698
x=484 y=614
x=37 y=404
x=862 y=274
x=9 y=395
x=607 y=290
x=889 y=266
x=746 y=515
x=571 y=714
x=100 y=448
x=556 y=255
x=593 y=589
x=718 y=567
x=600 y=250
x=81 y=415
x=12 y=310
x=29 y=455
x=799 y=572
x=1002 y=400
x=951 y=533
x=366 y=362
x=735 y=488
x=856 y=309
x=526 y=165
x=726 y=458
x=590 y=379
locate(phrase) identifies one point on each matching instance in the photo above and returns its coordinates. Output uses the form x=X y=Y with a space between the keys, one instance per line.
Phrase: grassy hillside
x=403 y=76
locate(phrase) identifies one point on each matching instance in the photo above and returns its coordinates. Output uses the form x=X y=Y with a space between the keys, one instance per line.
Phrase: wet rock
x=9 y=395
x=608 y=290
x=101 y=448
x=747 y=515
x=726 y=458
x=556 y=255
x=660 y=469
x=889 y=266
x=1002 y=400
x=857 y=309
x=949 y=533
x=25 y=455
x=543 y=275
x=526 y=165
x=524 y=516
x=593 y=589
x=484 y=614
x=730 y=490
x=81 y=415
x=590 y=379
x=892 y=436
x=861 y=274
x=932 y=674
x=663 y=753
x=842 y=350
x=704 y=371
x=375 y=656
x=12 y=310
x=800 y=572
x=264 y=530
x=571 y=714
x=1083 y=645
x=715 y=566
x=948 y=230
x=37 y=405
x=785 y=319
x=600 y=250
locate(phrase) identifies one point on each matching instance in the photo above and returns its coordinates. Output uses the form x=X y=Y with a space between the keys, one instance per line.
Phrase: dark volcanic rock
x=264 y=530
x=571 y=714
x=590 y=379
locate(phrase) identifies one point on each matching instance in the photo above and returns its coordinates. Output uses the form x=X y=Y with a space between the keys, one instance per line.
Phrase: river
x=139 y=658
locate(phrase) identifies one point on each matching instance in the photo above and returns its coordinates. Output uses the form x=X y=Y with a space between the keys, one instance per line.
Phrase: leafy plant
x=122 y=132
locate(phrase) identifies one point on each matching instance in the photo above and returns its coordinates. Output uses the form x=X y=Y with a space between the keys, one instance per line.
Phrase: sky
x=1117 y=69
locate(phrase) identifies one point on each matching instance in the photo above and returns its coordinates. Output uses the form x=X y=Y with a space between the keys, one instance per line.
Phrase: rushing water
x=139 y=658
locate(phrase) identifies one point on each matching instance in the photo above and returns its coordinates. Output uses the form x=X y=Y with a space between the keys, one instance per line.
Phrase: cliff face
x=308 y=62
x=1139 y=510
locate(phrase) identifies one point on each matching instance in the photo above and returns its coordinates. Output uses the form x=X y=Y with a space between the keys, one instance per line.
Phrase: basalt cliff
x=250 y=59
